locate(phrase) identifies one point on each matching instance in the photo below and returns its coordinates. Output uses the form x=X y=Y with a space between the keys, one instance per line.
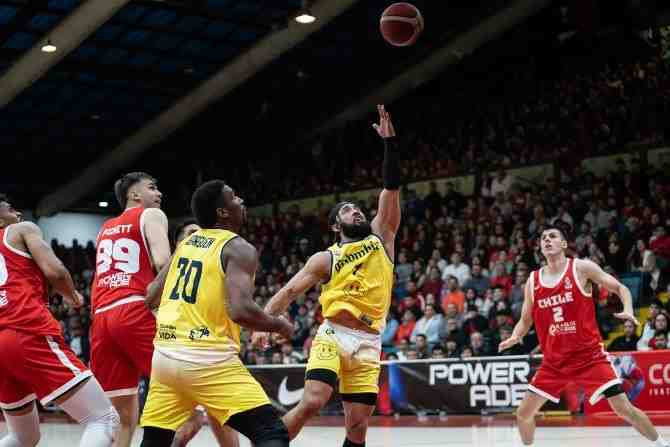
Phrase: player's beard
x=356 y=231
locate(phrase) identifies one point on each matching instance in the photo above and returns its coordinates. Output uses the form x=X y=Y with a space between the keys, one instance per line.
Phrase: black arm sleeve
x=391 y=165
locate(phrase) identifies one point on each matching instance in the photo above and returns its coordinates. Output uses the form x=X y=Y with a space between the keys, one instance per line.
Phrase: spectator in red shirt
x=454 y=295
x=406 y=327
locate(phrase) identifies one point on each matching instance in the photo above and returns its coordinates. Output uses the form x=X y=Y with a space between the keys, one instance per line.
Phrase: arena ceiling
x=150 y=53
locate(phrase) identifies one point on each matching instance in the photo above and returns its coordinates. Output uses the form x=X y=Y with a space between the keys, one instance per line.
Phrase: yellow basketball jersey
x=361 y=279
x=192 y=312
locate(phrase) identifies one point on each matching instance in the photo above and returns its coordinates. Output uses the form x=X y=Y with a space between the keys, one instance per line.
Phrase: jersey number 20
x=190 y=271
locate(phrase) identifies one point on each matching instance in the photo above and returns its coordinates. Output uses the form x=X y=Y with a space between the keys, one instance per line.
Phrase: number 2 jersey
x=193 y=321
x=23 y=292
x=123 y=263
x=565 y=321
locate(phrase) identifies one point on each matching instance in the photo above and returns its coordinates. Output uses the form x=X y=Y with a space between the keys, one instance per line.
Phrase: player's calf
x=92 y=408
x=23 y=427
x=635 y=417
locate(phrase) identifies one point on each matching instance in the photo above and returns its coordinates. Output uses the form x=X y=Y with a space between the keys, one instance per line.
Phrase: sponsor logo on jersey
x=118 y=279
x=288 y=397
x=166 y=332
x=566 y=327
x=198 y=333
x=367 y=247
x=3 y=298
x=200 y=241
x=567 y=284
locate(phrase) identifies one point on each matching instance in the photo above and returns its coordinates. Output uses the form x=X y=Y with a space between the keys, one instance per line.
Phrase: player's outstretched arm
x=316 y=269
x=52 y=267
x=387 y=220
x=156 y=232
x=592 y=271
x=525 y=322
x=239 y=261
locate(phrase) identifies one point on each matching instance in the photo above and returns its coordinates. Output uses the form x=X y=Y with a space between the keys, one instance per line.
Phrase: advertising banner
x=646 y=380
x=451 y=386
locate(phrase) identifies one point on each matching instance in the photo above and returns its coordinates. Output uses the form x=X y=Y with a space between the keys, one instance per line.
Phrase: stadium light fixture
x=305 y=15
x=103 y=204
x=49 y=47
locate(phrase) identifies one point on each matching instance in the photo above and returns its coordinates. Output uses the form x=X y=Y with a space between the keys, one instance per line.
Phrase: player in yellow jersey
x=225 y=436
x=357 y=277
x=205 y=295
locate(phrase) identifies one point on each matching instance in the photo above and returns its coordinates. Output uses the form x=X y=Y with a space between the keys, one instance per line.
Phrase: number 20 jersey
x=193 y=318
x=565 y=321
x=123 y=263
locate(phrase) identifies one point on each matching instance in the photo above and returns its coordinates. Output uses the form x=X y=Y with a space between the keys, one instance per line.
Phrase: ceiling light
x=49 y=47
x=305 y=17
x=103 y=204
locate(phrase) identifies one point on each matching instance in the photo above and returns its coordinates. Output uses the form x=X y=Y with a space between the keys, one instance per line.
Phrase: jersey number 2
x=558 y=314
x=190 y=271
x=3 y=271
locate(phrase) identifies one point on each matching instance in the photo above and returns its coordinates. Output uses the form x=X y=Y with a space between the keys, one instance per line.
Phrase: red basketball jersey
x=23 y=293
x=123 y=264
x=565 y=320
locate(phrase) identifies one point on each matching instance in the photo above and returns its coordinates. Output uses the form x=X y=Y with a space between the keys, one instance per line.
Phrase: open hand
x=627 y=316
x=385 y=127
x=504 y=345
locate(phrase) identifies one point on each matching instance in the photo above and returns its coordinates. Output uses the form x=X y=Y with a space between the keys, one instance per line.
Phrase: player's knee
x=312 y=403
x=623 y=408
x=105 y=424
x=126 y=412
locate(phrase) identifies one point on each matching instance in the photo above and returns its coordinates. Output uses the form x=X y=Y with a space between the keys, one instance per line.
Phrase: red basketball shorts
x=122 y=345
x=595 y=378
x=36 y=367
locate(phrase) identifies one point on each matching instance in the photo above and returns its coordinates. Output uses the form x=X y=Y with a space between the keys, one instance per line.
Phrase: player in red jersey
x=36 y=363
x=131 y=248
x=558 y=300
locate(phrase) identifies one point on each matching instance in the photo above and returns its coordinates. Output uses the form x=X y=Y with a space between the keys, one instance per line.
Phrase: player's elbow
x=55 y=274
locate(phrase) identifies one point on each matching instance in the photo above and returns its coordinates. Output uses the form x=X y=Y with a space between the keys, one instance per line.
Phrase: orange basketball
x=401 y=24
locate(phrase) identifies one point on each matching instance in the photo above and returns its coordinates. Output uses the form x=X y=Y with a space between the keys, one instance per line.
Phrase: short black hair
x=179 y=228
x=122 y=185
x=335 y=211
x=4 y=197
x=206 y=200
x=563 y=228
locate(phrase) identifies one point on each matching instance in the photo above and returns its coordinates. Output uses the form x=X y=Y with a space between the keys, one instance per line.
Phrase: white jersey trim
x=130 y=299
x=598 y=394
x=579 y=283
x=144 y=239
x=19 y=403
x=560 y=278
x=12 y=249
x=531 y=286
x=544 y=394
x=122 y=392
x=66 y=387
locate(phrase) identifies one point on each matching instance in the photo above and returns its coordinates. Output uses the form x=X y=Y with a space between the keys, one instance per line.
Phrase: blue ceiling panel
x=6 y=14
x=143 y=59
x=130 y=13
x=136 y=38
x=43 y=22
x=20 y=41
x=166 y=42
x=63 y=5
x=218 y=4
x=86 y=51
x=160 y=18
x=190 y=24
x=108 y=32
x=114 y=56
x=218 y=29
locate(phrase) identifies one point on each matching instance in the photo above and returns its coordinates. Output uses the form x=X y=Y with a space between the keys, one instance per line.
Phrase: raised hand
x=385 y=127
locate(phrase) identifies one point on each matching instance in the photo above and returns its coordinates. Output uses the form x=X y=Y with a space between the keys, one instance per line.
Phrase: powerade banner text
x=646 y=380
x=454 y=386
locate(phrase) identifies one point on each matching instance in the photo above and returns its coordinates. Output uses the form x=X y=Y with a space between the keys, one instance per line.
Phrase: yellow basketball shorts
x=353 y=355
x=177 y=387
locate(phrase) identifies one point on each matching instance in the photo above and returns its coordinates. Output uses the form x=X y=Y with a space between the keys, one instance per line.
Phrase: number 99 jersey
x=192 y=320
x=123 y=264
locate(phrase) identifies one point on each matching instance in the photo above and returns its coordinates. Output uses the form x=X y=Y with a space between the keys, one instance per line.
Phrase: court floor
x=426 y=433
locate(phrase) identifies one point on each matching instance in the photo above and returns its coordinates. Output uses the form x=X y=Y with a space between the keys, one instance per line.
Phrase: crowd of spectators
x=461 y=262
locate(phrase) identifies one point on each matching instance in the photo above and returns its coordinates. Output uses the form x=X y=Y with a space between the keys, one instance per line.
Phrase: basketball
x=401 y=24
